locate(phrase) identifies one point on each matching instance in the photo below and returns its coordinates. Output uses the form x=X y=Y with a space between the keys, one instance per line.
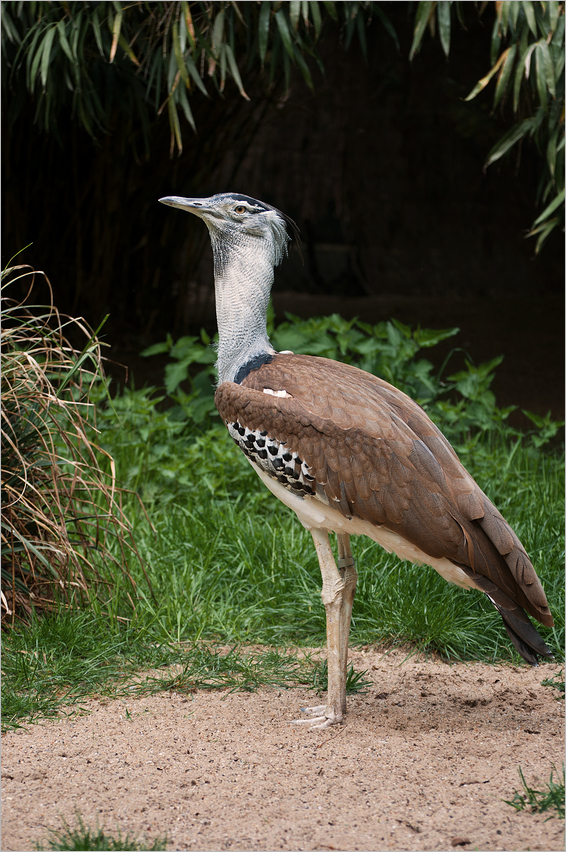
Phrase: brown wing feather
x=379 y=457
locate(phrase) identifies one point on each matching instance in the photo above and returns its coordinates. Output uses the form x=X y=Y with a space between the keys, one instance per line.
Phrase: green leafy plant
x=539 y=801
x=60 y=508
x=527 y=63
x=461 y=404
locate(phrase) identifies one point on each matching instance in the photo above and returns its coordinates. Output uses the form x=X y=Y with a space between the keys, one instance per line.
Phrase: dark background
x=382 y=169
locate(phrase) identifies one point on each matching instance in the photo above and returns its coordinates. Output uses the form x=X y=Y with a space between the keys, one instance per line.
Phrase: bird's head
x=233 y=219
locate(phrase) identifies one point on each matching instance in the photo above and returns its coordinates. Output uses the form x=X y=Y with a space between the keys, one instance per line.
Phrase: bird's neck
x=243 y=283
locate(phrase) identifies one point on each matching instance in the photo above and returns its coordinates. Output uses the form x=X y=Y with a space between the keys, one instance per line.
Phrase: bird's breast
x=274 y=458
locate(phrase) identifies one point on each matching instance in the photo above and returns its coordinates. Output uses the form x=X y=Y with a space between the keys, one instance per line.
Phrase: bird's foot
x=321 y=717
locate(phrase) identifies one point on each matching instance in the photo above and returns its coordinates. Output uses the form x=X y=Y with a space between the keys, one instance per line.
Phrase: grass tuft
x=61 y=512
x=539 y=801
x=81 y=837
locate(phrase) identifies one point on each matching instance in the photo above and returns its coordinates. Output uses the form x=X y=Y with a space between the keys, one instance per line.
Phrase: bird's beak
x=191 y=205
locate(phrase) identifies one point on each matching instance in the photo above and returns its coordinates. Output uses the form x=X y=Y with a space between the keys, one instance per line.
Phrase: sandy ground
x=423 y=762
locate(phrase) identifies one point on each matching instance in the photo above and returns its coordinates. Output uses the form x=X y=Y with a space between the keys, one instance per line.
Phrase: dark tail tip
x=523 y=635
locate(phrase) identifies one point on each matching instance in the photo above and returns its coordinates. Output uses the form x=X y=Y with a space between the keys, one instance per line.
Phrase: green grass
x=550 y=799
x=226 y=563
x=81 y=837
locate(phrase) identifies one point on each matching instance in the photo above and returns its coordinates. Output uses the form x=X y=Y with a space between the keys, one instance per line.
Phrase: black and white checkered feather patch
x=274 y=458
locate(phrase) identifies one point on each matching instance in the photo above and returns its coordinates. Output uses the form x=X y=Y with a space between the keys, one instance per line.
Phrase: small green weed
x=556 y=682
x=355 y=682
x=81 y=837
x=539 y=801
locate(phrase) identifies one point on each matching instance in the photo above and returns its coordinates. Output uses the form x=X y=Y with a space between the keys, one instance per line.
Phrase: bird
x=349 y=453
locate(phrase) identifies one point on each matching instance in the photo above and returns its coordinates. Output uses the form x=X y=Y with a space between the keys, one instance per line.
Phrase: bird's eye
x=240 y=209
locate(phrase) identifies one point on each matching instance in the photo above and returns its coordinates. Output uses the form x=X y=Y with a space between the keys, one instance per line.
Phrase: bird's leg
x=338 y=587
x=349 y=576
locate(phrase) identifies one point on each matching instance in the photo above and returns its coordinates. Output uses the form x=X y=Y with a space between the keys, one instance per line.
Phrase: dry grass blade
x=61 y=512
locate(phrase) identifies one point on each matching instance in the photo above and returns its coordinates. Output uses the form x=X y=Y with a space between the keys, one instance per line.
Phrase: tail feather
x=522 y=634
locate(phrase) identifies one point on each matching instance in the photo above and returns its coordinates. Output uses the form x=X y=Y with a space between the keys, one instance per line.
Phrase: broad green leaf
x=281 y=21
x=509 y=139
x=443 y=17
x=263 y=29
x=517 y=82
x=234 y=70
x=424 y=11
x=46 y=55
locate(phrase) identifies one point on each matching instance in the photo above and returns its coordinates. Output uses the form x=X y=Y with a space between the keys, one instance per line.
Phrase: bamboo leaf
x=554 y=205
x=551 y=149
x=424 y=11
x=316 y=18
x=174 y=125
x=514 y=9
x=504 y=75
x=304 y=68
x=116 y=27
x=513 y=135
x=187 y=17
x=235 y=72
x=186 y=107
x=295 y=13
x=97 y=33
x=331 y=9
x=503 y=15
x=178 y=50
x=540 y=61
x=284 y=32
x=195 y=76
x=218 y=33
x=390 y=29
x=46 y=56
x=443 y=17
x=543 y=53
x=529 y=11
x=481 y=84
x=263 y=29
x=64 y=41
x=519 y=71
x=128 y=49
